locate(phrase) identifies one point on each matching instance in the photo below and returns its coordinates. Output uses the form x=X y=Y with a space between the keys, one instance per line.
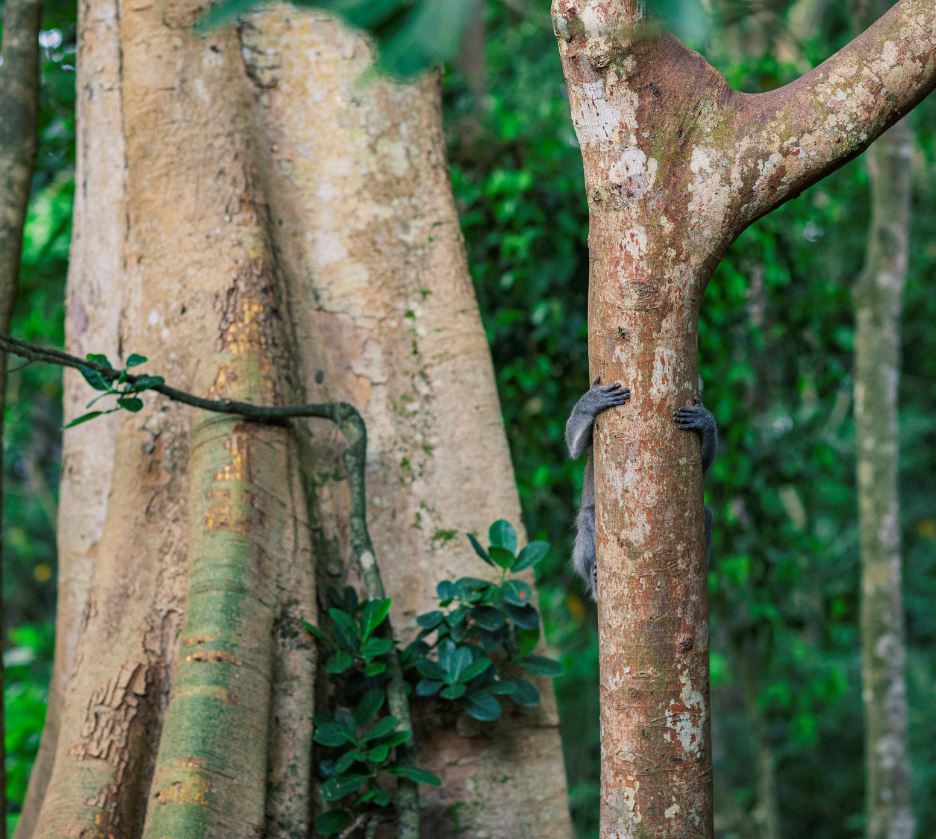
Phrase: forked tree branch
x=808 y=128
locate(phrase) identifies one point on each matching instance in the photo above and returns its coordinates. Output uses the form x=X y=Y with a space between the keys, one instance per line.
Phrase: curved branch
x=354 y=429
x=803 y=131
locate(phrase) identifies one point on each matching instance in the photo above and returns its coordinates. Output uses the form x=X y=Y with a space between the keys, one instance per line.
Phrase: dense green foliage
x=775 y=342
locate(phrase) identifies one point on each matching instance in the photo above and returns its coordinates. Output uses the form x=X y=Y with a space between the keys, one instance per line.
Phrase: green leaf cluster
x=126 y=388
x=473 y=647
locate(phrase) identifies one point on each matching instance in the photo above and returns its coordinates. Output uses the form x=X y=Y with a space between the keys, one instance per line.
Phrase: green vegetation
x=467 y=653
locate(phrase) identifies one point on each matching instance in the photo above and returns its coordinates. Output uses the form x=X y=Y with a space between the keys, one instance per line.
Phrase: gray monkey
x=578 y=435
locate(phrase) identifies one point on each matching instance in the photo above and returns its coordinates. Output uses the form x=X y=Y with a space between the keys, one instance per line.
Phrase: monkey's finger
x=610 y=388
x=597 y=381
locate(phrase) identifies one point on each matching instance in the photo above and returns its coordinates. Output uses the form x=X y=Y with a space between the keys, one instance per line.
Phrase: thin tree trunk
x=19 y=106
x=676 y=166
x=877 y=374
x=878 y=300
x=878 y=296
x=261 y=224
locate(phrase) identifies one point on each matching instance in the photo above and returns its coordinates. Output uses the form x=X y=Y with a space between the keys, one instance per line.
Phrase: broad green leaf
x=526 y=694
x=144 y=382
x=517 y=592
x=456 y=665
x=373 y=614
x=503 y=535
x=98 y=358
x=135 y=360
x=504 y=687
x=502 y=557
x=368 y=705
x=380 y=729
x=420 y=776
x=375 y=668
x=478 y=549
x=346 y=760
x=453 y=692
x=374 y=647
x=541 y=666
x=429 y=669
x=430 y=620
x=332 y=822
x=334 y=789
x=130 y=403
x=332 y=734
x=475 y=669
x=398 y=738
x=93 y=378
x=532 y=554
x=482 y=706
x=487 y=617
x=446 y=590
x=377 y=795
x=379 y=753
x=427 y=687
x=525 y=617
x=339 y=662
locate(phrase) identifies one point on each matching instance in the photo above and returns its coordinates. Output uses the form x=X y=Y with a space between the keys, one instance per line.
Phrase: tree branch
x=352 y=425
x=799 y=133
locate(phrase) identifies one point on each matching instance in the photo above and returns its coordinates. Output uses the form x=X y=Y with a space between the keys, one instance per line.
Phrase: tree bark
x=676 y=166
x=19 y=107
x=878 y=298
x=262 y=226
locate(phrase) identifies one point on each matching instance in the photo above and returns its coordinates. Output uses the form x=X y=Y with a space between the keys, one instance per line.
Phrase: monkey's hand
x=596 y=399
x=699 y=419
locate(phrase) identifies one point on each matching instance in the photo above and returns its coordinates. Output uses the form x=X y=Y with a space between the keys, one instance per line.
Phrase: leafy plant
x=468 y=652
x=127 y=392
x=361 y=739
x=483 y=631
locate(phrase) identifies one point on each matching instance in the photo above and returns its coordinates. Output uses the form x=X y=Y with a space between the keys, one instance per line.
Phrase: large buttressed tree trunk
x=677 y=164
x=262 y=226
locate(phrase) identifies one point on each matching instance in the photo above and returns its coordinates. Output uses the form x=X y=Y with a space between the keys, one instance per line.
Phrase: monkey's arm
x=699 y=419
x=579 y=439
x=597 y=398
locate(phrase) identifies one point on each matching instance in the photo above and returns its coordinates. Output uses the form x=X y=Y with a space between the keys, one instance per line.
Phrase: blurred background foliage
x=775 y=342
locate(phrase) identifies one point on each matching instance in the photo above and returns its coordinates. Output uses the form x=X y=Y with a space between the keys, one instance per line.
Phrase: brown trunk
x=676 y=165
x=260 y=224
x=19 y=105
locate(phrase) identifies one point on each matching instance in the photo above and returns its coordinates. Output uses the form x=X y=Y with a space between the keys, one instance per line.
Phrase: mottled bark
x=878 y=298
x=676 y=165
x=262 y=225
x=19 y=105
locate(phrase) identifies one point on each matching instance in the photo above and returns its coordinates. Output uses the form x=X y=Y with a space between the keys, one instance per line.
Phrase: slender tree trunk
x=676 y=166
x=877 y=375
x=19 y=106
x=878 y=300
x=262 y=225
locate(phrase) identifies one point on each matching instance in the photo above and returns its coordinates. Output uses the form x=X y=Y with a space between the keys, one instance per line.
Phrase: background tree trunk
x=19 y=106
x=878 y=298
x=260 y=224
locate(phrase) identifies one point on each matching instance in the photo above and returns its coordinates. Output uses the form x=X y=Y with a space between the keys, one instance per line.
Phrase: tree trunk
x=19 y=106
x=676 y=166
x=261 y=225
x=878 y=296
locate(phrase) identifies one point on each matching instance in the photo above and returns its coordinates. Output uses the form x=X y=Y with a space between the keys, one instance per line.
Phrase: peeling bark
x=677 y=164
x=262 y=225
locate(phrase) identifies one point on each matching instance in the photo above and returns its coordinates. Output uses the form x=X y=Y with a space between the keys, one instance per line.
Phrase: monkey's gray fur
x=578 y=435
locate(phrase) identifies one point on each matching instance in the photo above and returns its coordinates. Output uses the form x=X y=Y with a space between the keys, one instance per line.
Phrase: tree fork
x=677 y=164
